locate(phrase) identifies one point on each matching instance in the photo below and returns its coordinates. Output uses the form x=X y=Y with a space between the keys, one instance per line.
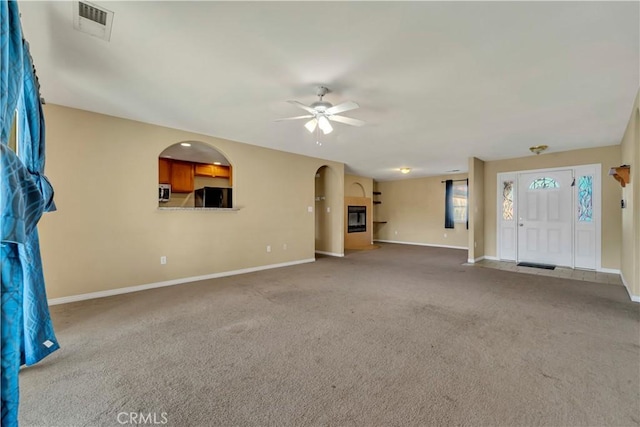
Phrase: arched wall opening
x=327 y=228
x=194 y=174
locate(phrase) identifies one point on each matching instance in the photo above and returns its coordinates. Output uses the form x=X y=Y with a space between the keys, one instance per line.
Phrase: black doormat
x=534 y=265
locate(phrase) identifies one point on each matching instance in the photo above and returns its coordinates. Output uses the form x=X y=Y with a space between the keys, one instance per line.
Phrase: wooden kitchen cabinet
x=221 y=171
x=180 y=174
x=182 y=177
x=202 y=169
x=164 y=171
x=212 y=171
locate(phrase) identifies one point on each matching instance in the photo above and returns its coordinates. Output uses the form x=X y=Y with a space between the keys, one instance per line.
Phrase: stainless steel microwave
x=164 y=192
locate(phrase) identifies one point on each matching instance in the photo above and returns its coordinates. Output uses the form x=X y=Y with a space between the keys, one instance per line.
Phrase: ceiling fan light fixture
x=322 y=113
x=538 y=148
x=311 y=125
x=405 y=170
x=324 y=125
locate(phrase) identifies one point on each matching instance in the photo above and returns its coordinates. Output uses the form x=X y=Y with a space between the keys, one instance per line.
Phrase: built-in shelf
x=621 y=174
x=377 y=193
x=377 y=202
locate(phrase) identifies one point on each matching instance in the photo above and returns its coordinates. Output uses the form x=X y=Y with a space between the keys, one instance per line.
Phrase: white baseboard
x=473 y=261
x=608 y=270
x=329 y=253
x=634 y=298
x=492 y=258
x=422 y=244
x=129 y=289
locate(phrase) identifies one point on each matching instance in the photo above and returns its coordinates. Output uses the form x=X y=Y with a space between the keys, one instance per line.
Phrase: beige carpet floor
x=403 y=335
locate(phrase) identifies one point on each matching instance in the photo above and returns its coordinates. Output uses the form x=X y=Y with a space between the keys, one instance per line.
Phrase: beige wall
x=611 y=193
x=414 y=208
x=108 y=232
x=630 y=148
x=476 y=209
x=358 y=186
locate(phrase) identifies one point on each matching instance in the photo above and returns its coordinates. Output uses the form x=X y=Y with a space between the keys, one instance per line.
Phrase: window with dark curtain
x=448 y=205
x=467 y=203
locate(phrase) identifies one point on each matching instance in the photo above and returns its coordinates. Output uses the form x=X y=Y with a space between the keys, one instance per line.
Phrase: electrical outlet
x=328 y=209
x=268 y=248
x=309 y=209
x=163 y=260
x=395 y=232
x=284 y=247
x=445 y=235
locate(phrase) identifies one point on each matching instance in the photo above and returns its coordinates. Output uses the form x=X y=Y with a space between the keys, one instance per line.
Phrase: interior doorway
x=550 y=216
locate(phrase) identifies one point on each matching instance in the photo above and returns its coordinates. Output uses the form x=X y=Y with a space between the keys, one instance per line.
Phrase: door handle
x=521 y=224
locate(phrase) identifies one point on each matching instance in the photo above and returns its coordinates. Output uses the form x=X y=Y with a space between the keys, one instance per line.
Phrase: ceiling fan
x=321 y=112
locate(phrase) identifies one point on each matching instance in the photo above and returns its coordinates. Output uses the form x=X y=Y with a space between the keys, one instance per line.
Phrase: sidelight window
x=507 y=200
x=585 y=201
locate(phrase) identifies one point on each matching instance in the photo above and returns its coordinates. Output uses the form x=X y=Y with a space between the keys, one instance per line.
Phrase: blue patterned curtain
x=27 y=332
x=11 y=64
x=39 y=339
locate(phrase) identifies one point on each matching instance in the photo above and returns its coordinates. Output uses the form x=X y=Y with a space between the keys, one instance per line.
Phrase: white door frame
x=594 y=169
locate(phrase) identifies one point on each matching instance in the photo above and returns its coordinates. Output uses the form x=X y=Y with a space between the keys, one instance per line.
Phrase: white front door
x=545 y=220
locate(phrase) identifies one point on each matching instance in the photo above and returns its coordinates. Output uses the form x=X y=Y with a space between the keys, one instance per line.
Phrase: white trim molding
x=330 y=254
x=473 y=261
x=129 y=289
x=609 y=270
x=422 y=244
x=634 y=298
x=504 y=252
x=491 y=258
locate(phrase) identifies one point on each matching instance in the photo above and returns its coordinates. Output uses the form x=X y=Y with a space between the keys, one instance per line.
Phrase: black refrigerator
x=213 y=197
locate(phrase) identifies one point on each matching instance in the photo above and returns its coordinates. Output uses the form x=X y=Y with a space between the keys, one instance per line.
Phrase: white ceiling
x=437 y=82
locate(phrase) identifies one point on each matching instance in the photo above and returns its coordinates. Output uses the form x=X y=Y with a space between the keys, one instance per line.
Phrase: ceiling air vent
x=93 y=13
x=92 y=19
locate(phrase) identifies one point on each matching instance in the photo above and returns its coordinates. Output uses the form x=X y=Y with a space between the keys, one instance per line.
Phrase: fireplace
x=357 y=219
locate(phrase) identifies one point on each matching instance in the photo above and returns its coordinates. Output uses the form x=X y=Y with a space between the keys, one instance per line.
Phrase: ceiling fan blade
x=294 y=118
x=304 y=107
x=347 y=120
x=340 y=108
x=311 y=125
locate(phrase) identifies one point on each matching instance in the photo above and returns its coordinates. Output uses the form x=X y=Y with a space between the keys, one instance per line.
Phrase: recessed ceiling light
x=217 y=163
x=185 y=144
x=405 y=170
